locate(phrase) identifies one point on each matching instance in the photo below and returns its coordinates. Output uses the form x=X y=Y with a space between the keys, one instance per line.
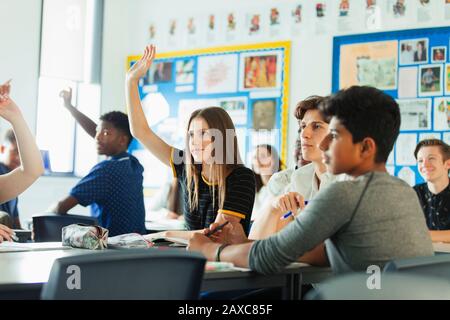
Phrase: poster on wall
x=423 y=76
x=415 y=114
x=413 y=51
x=430 y=80
x=260 y=71
x=442 y=114
x=372 y=15
x=373 y=64
x=181 y=82
x=217 y=73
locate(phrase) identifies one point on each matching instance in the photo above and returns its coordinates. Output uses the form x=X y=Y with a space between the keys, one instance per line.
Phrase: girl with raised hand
x=216 y=185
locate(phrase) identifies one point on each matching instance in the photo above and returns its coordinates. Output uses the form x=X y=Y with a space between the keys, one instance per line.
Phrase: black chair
x=393 y=286
x=47 y=228
x=435 y=266
x=136 y=274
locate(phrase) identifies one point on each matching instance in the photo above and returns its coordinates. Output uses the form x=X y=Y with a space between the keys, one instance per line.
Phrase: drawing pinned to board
x=211 y=30
x=413 y=51
x=373 y=64
x=407 y=175
x=173 y=33
x=415 y=114
x=344 y=7
x=159 y=72
x=404 y=149
x=275 y=22
x=424 y=10
x=217 y=74
x=236 y=107
x=260 y=71
x=253 y=23
x=407 y=78
x=184 y=71
x=321 y=21
x=264 y=114
x=441 y=114
x=372 y=15
x=296 y=14
x=296 y=19
x=430 y=80
x=344 y=19
x=152 y=32
x=398 y=8
x=438 y=54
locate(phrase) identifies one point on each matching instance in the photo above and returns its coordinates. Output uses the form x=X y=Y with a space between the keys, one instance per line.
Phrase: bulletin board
x=250 y=82
x=413 y=67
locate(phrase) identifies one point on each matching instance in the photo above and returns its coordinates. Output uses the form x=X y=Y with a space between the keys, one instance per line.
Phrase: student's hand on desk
x=140 y=68
x=67 y=97
x=201 y=243
x=232 y=233
x=5 y=233
x=291 y=201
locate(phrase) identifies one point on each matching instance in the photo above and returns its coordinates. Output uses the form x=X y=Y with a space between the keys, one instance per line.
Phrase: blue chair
x=48 y=227
x=435 y=266
x=393 y=286
x=137 y=274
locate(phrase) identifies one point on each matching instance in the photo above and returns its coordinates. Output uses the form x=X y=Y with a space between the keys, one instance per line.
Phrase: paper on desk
x=7 y=246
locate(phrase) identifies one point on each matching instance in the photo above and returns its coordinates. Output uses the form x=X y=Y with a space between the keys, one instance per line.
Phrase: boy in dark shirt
x=113 y=187
x=433 y=161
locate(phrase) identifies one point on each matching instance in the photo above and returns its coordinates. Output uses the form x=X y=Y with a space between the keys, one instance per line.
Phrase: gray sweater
x=388 y=224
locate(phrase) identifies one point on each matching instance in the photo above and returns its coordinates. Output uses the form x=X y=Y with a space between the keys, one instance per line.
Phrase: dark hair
x=274 y=154
x=366 y=112
x=10 y=136
x=120 y=121
x=445 y=148
x=310 y=103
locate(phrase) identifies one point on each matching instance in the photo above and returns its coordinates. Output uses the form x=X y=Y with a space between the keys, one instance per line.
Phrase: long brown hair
x=275 y=158
x=227 y=156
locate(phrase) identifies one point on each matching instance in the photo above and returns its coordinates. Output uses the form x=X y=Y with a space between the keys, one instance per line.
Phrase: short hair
x=366 y=112
x=120 y=121
x=310 y=103
x=10 y=137
x=445 y=148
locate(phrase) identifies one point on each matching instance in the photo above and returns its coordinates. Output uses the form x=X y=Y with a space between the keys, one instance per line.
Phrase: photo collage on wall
x=413 y=66
x=246 y=81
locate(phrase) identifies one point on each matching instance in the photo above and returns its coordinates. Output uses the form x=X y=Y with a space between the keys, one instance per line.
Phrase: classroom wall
x=311 y=56
x=20 y=22
x=125 y=32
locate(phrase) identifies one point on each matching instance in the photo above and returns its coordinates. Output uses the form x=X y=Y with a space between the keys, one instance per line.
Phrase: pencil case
x=84 y=236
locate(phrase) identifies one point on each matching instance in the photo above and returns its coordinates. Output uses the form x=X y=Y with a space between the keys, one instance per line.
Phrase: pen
x=289 y=213
x=211 y=232
x=14 y=237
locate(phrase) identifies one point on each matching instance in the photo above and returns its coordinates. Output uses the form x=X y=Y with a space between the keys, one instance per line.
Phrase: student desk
x=441 y=247
x=24 y=273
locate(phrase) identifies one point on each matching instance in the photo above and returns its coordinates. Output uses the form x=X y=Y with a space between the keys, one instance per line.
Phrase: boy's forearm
x=84 y=121
x=440 y=235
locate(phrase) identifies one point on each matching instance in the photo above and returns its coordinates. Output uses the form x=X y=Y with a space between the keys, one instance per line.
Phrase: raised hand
x=5 y=88
x=67 y=97
x=140 y=68
x=8 y=108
